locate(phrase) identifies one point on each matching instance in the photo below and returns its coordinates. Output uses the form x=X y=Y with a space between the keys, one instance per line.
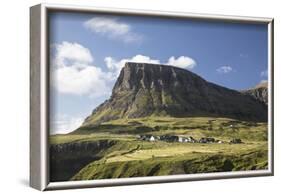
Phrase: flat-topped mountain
x=143 y=90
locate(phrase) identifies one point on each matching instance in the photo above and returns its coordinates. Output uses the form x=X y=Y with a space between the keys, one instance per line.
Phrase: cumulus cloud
x=80 y=81
x=112 y=28
x=116 y=65
x=224 y=69
x=73 y=71
x=182 y=62
x=69 y=53
x=63 y=124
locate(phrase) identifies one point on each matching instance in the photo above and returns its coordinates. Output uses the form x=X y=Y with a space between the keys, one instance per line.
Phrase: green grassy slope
x=194 y=162
x=195 y=126
x=131 y=157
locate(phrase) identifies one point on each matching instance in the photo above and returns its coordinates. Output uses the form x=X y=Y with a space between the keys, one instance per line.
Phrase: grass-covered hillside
x=114 y=149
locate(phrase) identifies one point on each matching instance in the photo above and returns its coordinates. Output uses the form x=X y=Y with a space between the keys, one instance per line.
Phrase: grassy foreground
x=128 y=156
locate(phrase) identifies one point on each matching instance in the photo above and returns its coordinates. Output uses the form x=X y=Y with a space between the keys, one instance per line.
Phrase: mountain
x=259 y=92
x=144 y=89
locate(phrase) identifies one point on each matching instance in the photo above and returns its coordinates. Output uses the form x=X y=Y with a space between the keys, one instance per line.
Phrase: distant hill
x=259 y=92
x=159 y=90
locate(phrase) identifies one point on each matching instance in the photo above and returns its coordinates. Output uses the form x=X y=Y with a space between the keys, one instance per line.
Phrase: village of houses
x=180 y=139
x=190 y=139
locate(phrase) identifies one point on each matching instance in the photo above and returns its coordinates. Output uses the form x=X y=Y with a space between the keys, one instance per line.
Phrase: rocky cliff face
x=68 y=158
x=149 y=89
x=260 y=92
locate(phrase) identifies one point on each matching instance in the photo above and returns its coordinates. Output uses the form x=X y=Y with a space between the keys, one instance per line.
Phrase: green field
x=118 y=151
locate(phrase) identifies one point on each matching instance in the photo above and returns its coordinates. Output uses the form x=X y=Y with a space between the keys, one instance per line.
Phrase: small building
x=181 y=139
x=169 y=138
x=152 y=138
x=147 y=137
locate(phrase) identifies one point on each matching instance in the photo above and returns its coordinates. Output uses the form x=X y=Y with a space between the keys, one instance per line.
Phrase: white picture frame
x=39 y=123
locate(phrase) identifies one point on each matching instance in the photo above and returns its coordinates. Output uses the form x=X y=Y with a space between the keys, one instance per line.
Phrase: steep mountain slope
x=158 y=90
x=259 y=92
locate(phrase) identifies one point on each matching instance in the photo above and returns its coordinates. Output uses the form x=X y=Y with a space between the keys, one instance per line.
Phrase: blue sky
x=88 y=51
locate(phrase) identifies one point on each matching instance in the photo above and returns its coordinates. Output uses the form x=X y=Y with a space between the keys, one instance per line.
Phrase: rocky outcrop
x=150 y=89
x=260 y=92
x=89 y=147
x=68 y=158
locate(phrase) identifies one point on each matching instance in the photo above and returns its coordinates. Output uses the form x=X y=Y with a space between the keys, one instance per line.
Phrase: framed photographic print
x=123 y=97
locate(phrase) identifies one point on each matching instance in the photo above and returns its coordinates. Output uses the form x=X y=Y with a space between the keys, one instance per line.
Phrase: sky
x=87 y=52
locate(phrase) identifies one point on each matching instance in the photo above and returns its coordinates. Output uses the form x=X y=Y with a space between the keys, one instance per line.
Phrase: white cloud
x=87 y=80
x=115 y=66
x=264 y=73
x=224 y=69
x=112 y=28
x=63 y=124
x=182 y=62
x=66 y=53
x=73 y=71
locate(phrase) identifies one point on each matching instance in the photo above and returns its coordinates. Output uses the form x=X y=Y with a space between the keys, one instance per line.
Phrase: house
x=169 y=138
x=175 y=138
x=152 y=138
x=181 y=139
x=147 y=137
